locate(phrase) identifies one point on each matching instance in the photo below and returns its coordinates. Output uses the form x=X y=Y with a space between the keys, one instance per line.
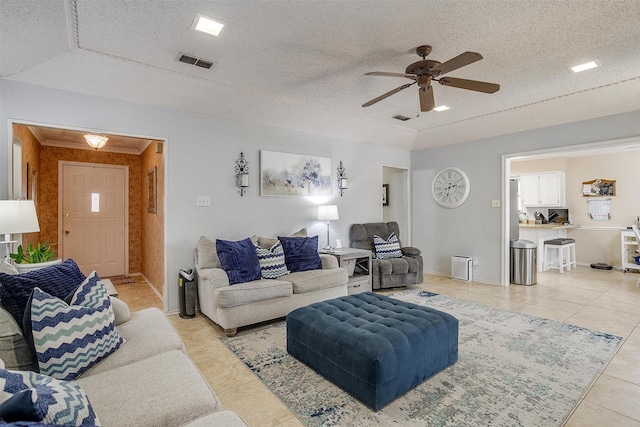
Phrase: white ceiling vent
x=198 y=62
x=401 y=117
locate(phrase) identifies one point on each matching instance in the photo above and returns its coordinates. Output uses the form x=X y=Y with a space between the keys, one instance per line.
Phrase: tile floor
x=606 y=301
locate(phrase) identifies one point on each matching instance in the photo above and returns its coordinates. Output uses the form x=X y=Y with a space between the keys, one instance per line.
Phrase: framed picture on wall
x=152 y=190
x=385 y=194
x=285 y=174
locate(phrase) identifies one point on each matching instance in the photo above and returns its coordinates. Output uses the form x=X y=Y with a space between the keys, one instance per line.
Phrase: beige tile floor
x=606 y=301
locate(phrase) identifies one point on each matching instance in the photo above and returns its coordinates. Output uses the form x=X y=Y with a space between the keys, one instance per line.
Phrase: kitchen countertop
x=550 y=226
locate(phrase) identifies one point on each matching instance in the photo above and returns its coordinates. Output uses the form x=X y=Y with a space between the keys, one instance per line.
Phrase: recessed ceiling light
x=207 y=25
x=584 y=67
x=441 y=108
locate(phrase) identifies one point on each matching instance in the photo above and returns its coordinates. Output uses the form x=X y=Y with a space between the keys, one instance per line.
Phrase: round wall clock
x=450 y=187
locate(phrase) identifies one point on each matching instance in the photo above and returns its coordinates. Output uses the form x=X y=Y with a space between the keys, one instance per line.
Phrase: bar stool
x=560 y=245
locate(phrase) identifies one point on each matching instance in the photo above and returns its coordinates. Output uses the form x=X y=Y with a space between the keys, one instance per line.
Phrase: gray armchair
x=391 y=272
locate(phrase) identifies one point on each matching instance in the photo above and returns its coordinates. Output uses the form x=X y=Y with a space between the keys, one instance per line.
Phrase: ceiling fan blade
x=459 y=61
x=470 y=84
x=391 y=92
x=426 y=98
x=386 y=74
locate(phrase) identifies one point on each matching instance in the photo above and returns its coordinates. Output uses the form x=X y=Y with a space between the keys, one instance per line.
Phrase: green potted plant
x=35 y=257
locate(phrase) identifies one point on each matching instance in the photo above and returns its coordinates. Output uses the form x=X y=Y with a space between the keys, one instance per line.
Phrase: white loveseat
x=243 y=304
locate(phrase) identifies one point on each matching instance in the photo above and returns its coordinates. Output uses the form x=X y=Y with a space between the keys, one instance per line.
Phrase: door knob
x=66 y=232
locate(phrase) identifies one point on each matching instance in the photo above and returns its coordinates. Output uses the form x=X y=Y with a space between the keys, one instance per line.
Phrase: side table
x=357 y=262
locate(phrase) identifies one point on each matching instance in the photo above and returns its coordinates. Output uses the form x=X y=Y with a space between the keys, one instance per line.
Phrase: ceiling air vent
x=198 y=62
x=401 y=117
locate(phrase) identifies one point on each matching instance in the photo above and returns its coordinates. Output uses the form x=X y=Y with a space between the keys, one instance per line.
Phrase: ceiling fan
x=425 y=71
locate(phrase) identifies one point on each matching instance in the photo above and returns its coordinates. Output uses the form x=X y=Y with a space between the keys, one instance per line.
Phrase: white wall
x=200 y=156
x=398 y=199
x=474 y=229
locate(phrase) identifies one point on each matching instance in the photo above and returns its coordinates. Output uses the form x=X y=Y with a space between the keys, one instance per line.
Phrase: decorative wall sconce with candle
x=343 y=182
x=242 y=174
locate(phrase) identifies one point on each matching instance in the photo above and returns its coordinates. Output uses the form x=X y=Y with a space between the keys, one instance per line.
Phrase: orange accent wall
x=30 y=156
x=153 y=223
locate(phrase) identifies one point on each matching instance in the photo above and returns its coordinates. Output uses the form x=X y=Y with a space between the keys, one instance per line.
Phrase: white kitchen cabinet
x=543 y=189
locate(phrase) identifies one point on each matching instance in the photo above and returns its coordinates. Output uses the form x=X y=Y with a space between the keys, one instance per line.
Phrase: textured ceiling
x=301 y=64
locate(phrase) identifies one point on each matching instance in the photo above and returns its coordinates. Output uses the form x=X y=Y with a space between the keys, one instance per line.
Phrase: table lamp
x=328 y=213
x=17 y=216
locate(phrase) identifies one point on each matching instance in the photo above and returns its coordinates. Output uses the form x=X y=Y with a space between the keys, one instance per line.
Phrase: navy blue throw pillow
x=239 y=260
x=56 y=280
x=301 y=253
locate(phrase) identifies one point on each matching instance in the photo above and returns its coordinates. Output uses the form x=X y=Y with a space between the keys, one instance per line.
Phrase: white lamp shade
x=328 y=213
x=18 y=216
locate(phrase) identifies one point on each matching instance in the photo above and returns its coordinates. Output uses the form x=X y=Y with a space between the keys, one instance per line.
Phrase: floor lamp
x=17 y=216
x=328 y=213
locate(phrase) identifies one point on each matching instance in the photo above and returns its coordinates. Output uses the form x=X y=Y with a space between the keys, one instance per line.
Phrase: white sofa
x=148 y=381
x=243 y=304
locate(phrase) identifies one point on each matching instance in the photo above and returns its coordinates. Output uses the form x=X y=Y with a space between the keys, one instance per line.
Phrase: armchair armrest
x=410 y=251
x=328 y=261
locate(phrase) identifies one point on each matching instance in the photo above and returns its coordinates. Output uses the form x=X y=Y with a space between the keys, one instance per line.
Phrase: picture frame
x=152 y=190
x=298 y=175
x=385 y=194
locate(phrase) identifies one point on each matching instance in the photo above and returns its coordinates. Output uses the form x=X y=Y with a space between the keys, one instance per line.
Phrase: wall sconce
x=343 y=182
x=242 y=174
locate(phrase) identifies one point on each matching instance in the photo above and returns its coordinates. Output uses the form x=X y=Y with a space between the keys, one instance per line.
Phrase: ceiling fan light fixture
x=207 y=25
x=96 y=141
x=584 y=67
x=442 y=108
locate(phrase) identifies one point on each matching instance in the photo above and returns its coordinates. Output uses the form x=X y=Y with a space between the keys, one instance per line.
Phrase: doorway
x=92 y=216
x=395 y=200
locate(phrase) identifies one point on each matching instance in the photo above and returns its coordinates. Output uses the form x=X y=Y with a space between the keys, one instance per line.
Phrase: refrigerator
x=514 y=218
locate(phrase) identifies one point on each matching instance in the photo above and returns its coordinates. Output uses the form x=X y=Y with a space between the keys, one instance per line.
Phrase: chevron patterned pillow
x=69 y=339
x=389 y=248
x=272 y=261
x=27 y=396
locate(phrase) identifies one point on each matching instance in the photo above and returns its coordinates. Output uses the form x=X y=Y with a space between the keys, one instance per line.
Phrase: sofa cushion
x=207 y=255
x=239 y=260
x=316 y=280
x=14 y=351
x=250 y=292
x=268 y=242
x=149 y=332
x=27 y=396
x=218 y=418
x=301 y=253
x=271 y=261
x=164 y=390
x=68 y=339
x=56 y=280
x=389 y=248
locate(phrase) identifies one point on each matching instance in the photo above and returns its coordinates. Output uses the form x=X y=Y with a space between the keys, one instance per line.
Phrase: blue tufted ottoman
x=374 y=347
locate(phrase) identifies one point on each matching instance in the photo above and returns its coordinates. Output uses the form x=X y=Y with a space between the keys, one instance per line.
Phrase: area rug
x=513 y=370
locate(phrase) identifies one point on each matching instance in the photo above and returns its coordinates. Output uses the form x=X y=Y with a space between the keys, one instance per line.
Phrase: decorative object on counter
x=343 y=182
x=599 y=187
x=328 y=213
x=242 y=174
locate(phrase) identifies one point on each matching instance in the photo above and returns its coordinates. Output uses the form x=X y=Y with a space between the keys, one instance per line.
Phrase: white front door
x=93 y=210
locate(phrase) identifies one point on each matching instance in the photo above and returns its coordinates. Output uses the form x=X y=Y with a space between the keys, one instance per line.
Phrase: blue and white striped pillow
x=389 y=248
x=69 y=339
x=272 y=261
x=39 y=398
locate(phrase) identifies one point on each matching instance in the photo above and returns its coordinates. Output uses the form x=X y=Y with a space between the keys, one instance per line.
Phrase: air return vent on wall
x=198 y=62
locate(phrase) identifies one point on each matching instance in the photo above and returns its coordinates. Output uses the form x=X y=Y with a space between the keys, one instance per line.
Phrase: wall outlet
x=495 y=203
x=475 y=260
x=203 y=201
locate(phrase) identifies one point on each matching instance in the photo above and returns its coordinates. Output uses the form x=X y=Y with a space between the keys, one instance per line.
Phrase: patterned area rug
x=513 y=370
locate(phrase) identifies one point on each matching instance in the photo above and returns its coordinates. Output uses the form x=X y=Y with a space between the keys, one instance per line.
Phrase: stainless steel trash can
x=523 y=262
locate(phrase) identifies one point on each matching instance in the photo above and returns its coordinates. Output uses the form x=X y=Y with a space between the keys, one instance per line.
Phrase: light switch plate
x=495 y=203
x=203 y=201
